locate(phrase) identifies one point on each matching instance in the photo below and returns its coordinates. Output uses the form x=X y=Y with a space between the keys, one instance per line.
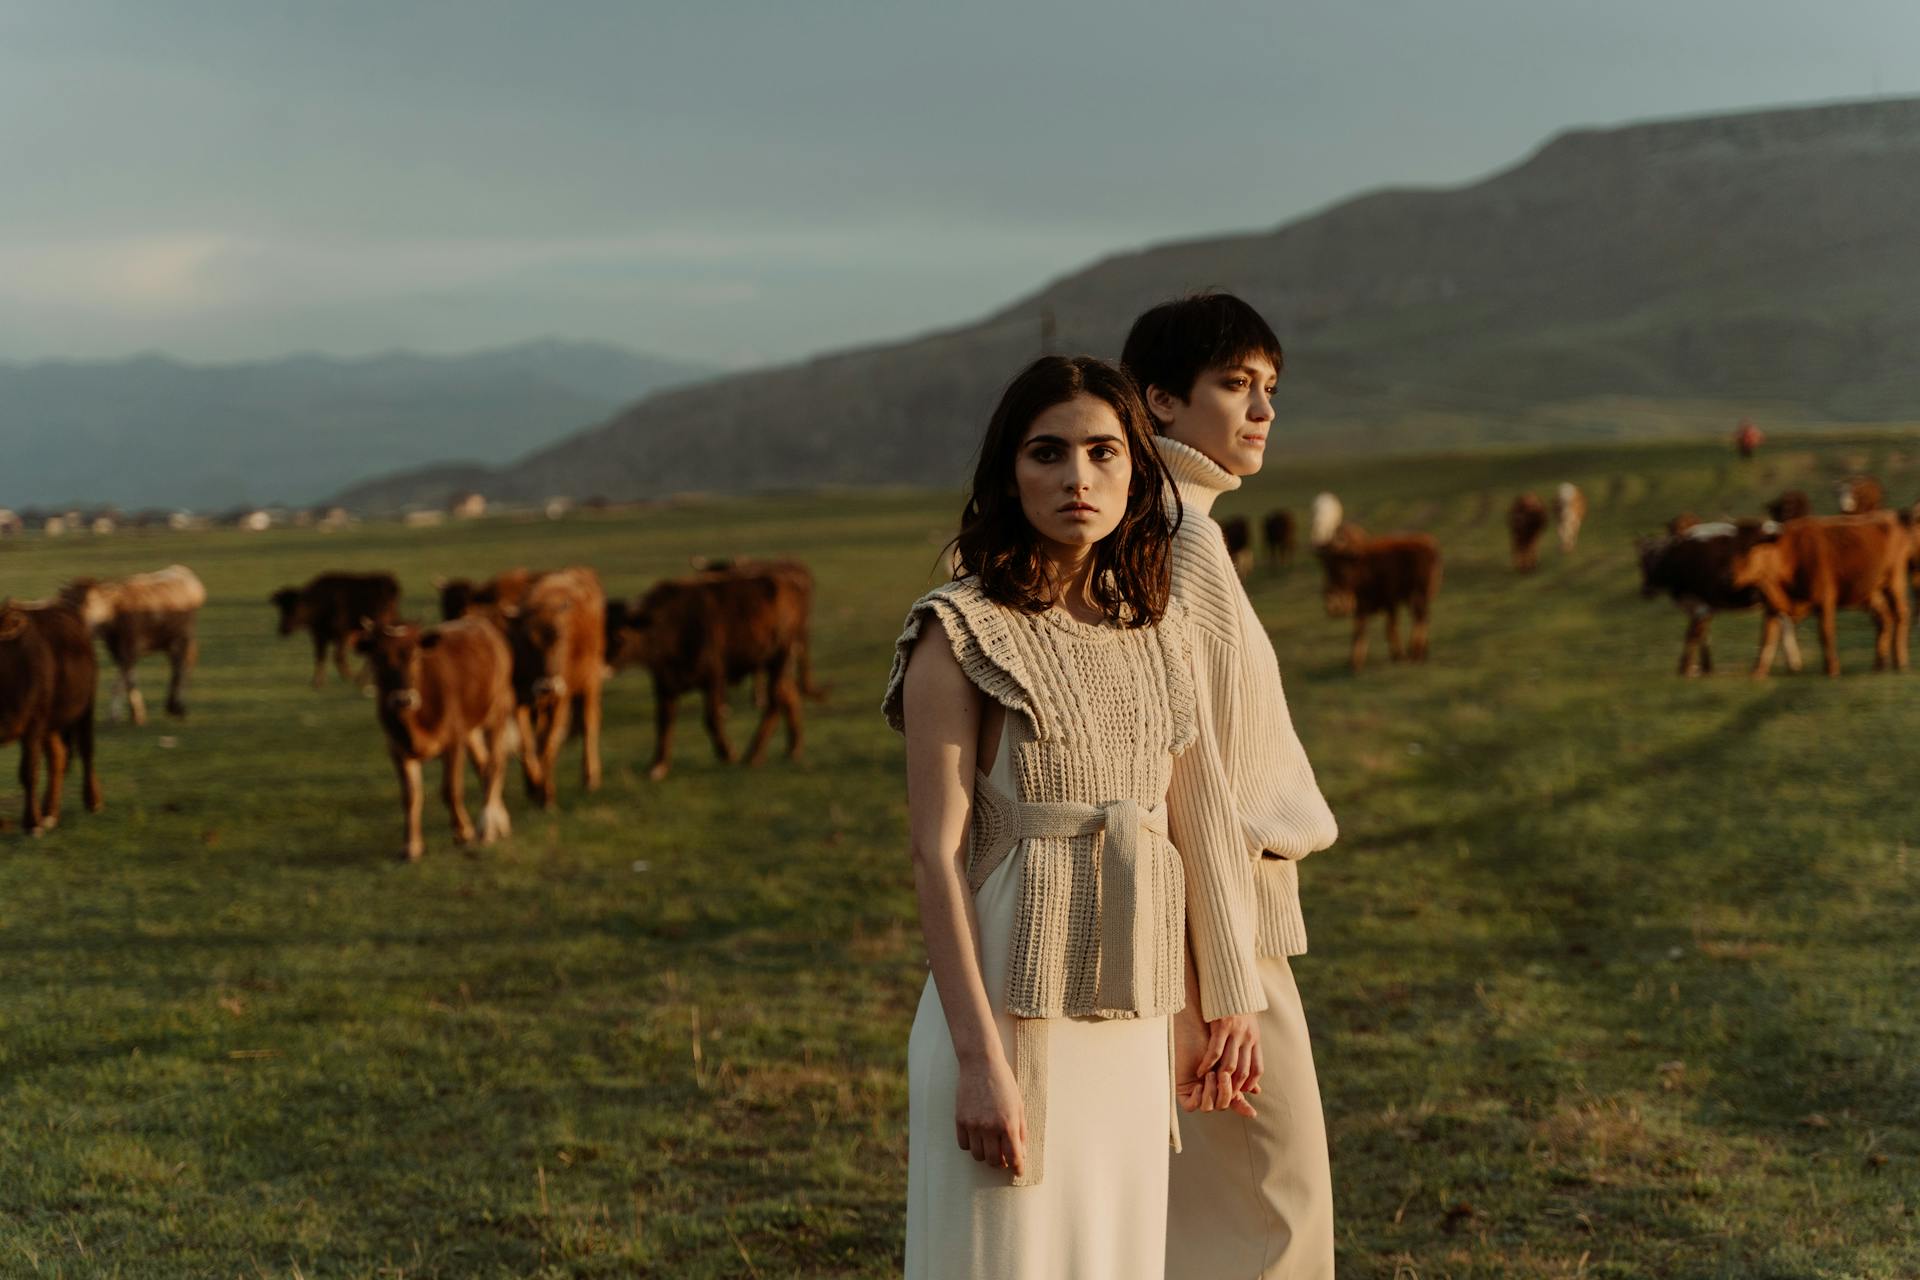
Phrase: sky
x=737 y=182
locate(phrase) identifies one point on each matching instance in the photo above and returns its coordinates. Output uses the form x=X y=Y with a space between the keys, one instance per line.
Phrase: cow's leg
x=1419 y=610
x=1902 y=618
x=1394 y=651
x=1829 y=642
x=1357 y=654
x=662 y=732
x=1790 y=643
x=714 y=703
x=1690 y=655
x=181 y=654
x=83 y=744
x=554 y=736
x=1706 y=644
x=30 y=750
x=590 y=737
x=480 y=748
x=495 y=824
x=319 y=660
x=411 y=797
x=453 y=787
x=136 y=701
x=792 y=704
x=775 y=676
x=340 y=648
x=1769 y=640
x=56 y=749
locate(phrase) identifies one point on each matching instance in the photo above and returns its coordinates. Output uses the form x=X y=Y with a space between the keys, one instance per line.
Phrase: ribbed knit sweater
x=1282 y=816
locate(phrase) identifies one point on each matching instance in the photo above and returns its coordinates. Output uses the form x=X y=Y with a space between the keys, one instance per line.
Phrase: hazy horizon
x=222 y=183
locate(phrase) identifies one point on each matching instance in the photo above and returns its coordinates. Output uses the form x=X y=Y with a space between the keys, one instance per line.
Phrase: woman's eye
x=1102 y=452
x=1236 y=384
x=1045 y=454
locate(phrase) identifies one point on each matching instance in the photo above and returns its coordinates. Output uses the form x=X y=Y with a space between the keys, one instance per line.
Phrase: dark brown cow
x=1694 y=568
x=462 y=596
x=558 y=637
x=1526 y=522
x=444 y=693
x=1858 y=495
x=1367 y=575
x=1278 y=528
x=332 y=607
x=47 y=679
x=1239 y=543
x=1828 y=564
x=142 y=614
x=711 y=630
x=1790 y=505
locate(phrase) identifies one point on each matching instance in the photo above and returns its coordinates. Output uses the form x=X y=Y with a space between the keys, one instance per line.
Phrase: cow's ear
x=430 y=640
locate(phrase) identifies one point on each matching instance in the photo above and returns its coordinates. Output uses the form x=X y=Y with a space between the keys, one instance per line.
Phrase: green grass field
x=1612 y=974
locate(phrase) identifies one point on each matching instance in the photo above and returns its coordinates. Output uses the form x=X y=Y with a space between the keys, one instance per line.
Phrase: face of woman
x=1072 y=472
x=1227 y=416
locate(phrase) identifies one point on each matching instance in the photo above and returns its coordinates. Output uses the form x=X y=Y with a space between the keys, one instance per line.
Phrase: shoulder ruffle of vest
x=1182 y=701
x=976 y=628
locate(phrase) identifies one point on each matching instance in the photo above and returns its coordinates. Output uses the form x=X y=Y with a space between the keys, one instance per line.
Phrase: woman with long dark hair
x=1047 y=700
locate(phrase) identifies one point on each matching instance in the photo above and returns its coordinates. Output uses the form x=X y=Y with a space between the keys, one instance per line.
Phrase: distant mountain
x=153 y=431
x=1763 y=261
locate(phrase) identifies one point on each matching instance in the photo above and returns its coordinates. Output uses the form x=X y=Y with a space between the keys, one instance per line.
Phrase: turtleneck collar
x=1198 y=478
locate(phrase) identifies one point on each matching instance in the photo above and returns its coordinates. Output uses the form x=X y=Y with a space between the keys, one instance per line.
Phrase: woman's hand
x=1198 y=1087
x=1233 y=1049
x=989 y=1117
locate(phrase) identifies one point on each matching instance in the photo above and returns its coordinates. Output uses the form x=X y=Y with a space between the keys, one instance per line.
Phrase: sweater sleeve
x=1207 y=832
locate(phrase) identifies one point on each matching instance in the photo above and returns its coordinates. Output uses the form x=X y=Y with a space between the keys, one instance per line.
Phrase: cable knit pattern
x=1278 y=809
x=1105 y=711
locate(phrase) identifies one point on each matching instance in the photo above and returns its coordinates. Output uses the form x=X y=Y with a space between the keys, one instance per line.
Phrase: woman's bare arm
x=942 y=712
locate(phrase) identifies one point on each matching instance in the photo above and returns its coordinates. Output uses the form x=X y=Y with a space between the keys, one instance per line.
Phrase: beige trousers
x=1253 y=1199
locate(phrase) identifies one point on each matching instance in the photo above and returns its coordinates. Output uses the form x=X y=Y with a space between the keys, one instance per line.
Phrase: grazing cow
x=1367 y=575
x=47 y=678
x=1526 y=522
x=142 y=614
x=1747 y=438
x=1828 y=564
x=1326 y=520
x=710 y=630
x=1693 y=565
x=445 y=692
x=334 y=608
x=1790 y=505
x=558 y=637
x=1569 y=513
x=1278 y=528
x=462 y=596
x=1239 y=543
x=1857 y=495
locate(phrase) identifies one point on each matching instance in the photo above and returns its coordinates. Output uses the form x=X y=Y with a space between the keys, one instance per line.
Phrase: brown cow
x=1828 y=564
x=47 y=679
x=1790 y=505
x=1239 y=543
x=462 y=596
x=1526 y=522
x=1694 y=567
x=710 y=630
x=445 y=692
x=1367 y=575
x=333 y=608
x=558 y=637
x=142 y=614
x=1569 y=513
x=1858 y=495
x=1278 y=528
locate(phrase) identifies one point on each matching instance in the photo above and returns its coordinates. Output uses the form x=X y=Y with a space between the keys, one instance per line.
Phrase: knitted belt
x=1120 y=822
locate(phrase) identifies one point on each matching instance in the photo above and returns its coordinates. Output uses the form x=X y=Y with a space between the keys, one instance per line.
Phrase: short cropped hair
x=1171 y=345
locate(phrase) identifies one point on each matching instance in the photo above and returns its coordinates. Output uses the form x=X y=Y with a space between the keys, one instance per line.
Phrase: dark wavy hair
x=1171 y=345
x=1132 y=571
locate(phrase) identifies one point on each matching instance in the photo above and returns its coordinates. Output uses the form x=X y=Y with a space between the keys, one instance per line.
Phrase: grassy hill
x=1758 y=264
x=1611 y=973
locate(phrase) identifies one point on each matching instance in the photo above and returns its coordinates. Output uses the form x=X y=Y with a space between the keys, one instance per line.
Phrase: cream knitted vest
x=1237 y=680
x=1103 y=711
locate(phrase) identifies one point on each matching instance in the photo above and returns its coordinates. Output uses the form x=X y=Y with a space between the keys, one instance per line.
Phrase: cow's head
x=393 y=655
x=537 y=634
x=1340 y=557
x=86 y=597
x=456 y=597
x=1790 y=505
x=1651 y=552
x=292 y=604
x=1757 y=554
x=642 y=634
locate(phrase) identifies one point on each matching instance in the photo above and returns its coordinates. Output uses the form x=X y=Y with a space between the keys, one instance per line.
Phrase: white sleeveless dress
x=1101 y=1211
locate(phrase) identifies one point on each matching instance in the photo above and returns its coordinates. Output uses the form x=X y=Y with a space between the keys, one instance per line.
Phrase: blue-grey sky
x=740 y=181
